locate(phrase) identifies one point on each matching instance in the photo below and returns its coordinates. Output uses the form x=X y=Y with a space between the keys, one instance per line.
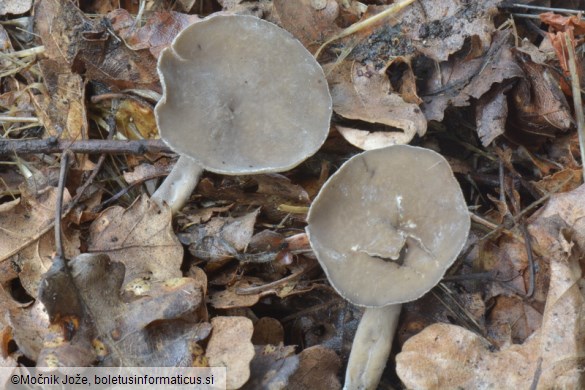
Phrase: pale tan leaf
x=141 y=238
x=361 y=93
x=23 y=222
x=230 y=346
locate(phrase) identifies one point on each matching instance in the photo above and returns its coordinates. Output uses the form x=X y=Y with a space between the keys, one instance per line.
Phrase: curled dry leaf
x=230 y=299
x=360 y=93
x=145 y=172
x=230 y=347
x=155 y=329
x=141 y=238
x=248 y=290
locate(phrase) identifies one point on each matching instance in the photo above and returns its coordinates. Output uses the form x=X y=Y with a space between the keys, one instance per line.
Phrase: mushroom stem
x=371 y=347
x=176 y=189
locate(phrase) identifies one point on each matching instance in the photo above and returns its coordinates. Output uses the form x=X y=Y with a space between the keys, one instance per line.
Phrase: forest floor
x=95 y=272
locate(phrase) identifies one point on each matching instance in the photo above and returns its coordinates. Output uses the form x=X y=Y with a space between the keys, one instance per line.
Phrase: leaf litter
x=231 y=280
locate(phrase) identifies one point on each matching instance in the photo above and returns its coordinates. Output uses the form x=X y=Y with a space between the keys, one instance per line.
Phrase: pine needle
x=365 y=23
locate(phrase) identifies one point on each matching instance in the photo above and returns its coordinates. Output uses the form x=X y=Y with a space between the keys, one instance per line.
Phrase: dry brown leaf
x=564 y=23
x=570 y=207
x=230 y=347
x=560 y=28
x=448 y=356
x=540 y=107
x=272 y=367
x=34 y=260
x=508 y=260
x=201 y=215
x=157 y=33
x=277 y=189
x=456 y=81
x=310 y=24
x=278 y=185
x=23 y=221
x=18 y=100
x=60 y=107
x=153 y=329
x=135 y=120
x=268 y=330
x=29 y=325
x=565 y=180
x=519 y=317
x=145 y=172
x=360 y=93
x=221 y=238
x=439 y=28
x=141 y=238
x=87 y=47
x=249 y=289
x=316 y=365
x=491 y=114
x=15 y=7
x=230 y=299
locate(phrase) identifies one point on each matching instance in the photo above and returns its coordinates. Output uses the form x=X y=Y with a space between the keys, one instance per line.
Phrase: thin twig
x=540 y=8
x=259 y=289
x=531 y=265
x=59 y=206
x=575 y=86
x=53 y=145
x=28 y=52
x=27 y=119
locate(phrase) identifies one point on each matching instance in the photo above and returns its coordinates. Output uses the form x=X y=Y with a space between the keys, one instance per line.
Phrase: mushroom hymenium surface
x=241 y=96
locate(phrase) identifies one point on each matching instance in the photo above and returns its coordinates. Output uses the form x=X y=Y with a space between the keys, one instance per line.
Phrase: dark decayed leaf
x=94 y=322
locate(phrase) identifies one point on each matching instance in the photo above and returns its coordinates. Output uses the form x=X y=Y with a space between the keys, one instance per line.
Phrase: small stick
x=59 y=205
x=94 y=146
x=25 y=119
x=575 y=86
x=540 y=8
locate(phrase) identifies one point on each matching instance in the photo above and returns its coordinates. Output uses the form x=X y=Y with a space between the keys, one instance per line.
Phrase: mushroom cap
x=242 y=96
x=387 y=225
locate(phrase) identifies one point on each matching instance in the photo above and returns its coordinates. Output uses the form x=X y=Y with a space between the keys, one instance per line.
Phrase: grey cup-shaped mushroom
x=240 y=96
x=385 y=228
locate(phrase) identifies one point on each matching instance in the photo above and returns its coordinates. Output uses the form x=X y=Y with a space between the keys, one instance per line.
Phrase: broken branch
x=53 y=145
